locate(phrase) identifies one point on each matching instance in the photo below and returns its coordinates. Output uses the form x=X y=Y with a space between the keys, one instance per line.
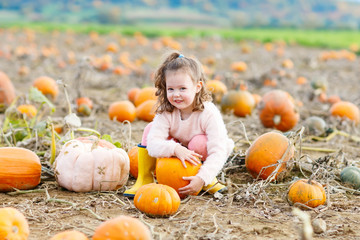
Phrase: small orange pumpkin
x=264 y=153
x=333 y=99
x=217 y=89
x=122 y=227
x=307 y=192
x=240 y=102
x=20 y=168
x=7 y=90
x=146 y=110
x=134 y=162
x=157 y=200
x=122 y=110
x=47 y=86
x=144 y=94
x=70 y=235
x=239 y=66
x=27 y=109
x=287 y=63
x=170 y=171
x=13 y=224
x=132 y=93
x=84 y=105
x=277 y=110
x=346 y=109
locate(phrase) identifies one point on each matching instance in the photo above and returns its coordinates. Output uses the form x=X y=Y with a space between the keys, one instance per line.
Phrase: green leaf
x=107 y=138
x=117 y=144
x=37 y=96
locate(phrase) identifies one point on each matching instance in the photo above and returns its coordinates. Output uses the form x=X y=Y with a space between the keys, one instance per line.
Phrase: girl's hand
x=195 y=185
x=185 y=154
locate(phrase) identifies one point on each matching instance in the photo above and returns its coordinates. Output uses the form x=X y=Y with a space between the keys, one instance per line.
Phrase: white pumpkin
x=91 y=164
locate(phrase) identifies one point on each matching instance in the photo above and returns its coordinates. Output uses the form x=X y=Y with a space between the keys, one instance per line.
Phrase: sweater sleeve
x=219 y=145
x=158 y=144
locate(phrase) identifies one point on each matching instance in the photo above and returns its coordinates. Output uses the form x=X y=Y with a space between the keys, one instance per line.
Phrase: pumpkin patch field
x=74 y=106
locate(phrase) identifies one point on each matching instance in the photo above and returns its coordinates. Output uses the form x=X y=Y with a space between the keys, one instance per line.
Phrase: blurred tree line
x=308 y=14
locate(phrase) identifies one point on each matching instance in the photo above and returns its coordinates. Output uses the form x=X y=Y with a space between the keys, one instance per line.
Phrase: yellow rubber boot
x=214 y=186
x=146 y=166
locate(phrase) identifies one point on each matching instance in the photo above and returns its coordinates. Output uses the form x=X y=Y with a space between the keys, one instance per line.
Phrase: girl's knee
x=145 y=134
x=199 y=144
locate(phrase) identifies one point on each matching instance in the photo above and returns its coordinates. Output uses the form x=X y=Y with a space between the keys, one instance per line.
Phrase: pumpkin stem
x=277 y=119
x=90 y=130
x=95 y=144
x=15 y=229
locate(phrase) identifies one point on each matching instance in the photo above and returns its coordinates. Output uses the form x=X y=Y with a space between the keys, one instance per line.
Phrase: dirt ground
x=249 y=210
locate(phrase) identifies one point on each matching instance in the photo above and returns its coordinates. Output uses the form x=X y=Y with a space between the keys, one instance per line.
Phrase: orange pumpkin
x=287 y=63
x=264 y=153
x=112 y=47
x=240 y=102
x=70 y=235
x=122 y=110
x=170 y=171
x=146 y=110
x=333 y=99
x=144 y=94
x=27 y=109
x=20 y=168
x=7 y=90
x=309 y=193
x=301 y=80
x=84 y=105
x=47 y=86
x=132 y=94
x=122 y=227
x=239 y=66
x=13 y=224
x=257 y=98
x=157 y=200
x=217 y=89
x=347 y=110
x=134 y=163
x=277 y=110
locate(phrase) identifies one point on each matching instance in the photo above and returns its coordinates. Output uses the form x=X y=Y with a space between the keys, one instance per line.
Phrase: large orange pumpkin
x=70 y=235
x=146 y=110
x=277 y=110
x=170 y=171
x=157 y=200
x=122 y=227
x=309 y=193
x=13 y=224
x=144 y=94
x=264 y=153
x=7 y=90
x=240 y=102
x=217 y=89
x=134 y=163
x=47 y=86
x=20 y=168
x=122 y=110
x=346 y=109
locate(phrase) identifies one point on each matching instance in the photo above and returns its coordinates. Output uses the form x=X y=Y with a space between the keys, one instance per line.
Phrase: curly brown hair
x=189 y=65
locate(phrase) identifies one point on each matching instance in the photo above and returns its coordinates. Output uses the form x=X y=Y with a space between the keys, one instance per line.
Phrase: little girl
x=187 y=125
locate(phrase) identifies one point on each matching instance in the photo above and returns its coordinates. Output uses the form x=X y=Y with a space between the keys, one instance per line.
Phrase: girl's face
x=181 y=90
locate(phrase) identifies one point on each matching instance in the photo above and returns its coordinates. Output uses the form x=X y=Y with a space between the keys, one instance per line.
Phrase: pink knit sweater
x=208 y=122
